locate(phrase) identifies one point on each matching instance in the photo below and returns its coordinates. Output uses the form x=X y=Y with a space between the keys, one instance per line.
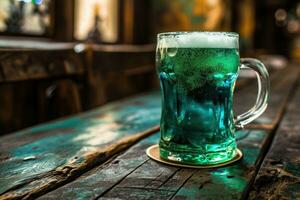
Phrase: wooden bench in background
x=41 y=81
x=117 y=71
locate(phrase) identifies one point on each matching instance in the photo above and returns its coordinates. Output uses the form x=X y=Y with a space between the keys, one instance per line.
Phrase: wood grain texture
x=41 y=158
x=230 y=182
x=100 y=179
x=279 y=176
x=134 y=176
x=145 y=179
x=282 y=86
x=38 y=160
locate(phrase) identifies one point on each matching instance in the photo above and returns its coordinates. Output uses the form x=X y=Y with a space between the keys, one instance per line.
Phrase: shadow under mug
x=197 y=72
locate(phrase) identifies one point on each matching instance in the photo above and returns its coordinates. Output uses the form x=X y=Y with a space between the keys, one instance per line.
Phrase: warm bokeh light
x=85 y=12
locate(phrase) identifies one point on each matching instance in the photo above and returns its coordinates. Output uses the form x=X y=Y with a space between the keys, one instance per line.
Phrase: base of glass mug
x=153 y=153
x=198 y=157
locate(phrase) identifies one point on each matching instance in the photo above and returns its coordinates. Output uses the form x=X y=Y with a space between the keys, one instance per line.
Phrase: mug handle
x=263 y=92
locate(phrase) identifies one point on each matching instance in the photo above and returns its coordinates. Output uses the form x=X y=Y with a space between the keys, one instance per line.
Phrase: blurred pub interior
x=62 y=57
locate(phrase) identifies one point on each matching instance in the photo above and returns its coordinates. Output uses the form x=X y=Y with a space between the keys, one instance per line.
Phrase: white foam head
x=198 y=40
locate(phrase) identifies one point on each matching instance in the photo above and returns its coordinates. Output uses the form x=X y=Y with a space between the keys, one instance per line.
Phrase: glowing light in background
x=36 y=18
x=298 y=10
x=281 y=17
x=293 y=26
x=85 y=18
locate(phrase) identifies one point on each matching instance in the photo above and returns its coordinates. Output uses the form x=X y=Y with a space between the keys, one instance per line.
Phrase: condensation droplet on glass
x=171 y=46
x=172 y=52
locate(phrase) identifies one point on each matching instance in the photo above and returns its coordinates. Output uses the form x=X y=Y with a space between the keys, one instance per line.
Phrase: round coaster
x=153 y=152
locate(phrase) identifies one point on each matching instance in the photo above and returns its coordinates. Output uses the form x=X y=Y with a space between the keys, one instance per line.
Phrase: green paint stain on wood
x=133 y=173
x=75 y=136
x=231 y=180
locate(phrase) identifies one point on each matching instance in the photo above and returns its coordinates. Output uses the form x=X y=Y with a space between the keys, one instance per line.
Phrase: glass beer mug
x=197 y=72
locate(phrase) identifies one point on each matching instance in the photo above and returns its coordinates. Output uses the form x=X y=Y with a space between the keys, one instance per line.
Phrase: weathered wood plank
x=233 y=181
x=50 y=150
x=133 y=176
x=282 y=85
x=41 y=158
x=104 y=177
x=279 y=176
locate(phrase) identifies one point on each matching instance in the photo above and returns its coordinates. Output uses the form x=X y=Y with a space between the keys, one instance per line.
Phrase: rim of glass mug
x=196 y=39
x=230 y=34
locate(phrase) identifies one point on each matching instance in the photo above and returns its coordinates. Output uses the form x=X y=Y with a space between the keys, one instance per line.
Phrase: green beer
x=197 y=74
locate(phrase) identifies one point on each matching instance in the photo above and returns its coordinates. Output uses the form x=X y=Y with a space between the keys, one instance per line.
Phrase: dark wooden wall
x=64 y=20
x=122 y=69
x=135 y=22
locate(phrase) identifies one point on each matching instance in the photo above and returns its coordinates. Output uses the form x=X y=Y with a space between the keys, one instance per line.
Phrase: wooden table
x=101 y=154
